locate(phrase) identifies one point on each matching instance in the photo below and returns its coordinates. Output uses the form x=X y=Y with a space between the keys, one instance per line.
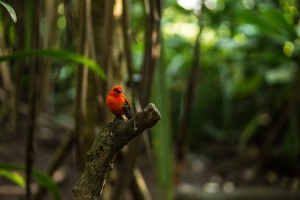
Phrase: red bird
x=118 y=103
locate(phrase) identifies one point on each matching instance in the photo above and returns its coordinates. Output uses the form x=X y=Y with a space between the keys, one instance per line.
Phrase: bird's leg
x=118 y=117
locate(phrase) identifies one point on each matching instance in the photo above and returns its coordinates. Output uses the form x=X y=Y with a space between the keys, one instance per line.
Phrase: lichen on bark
x=111 y=139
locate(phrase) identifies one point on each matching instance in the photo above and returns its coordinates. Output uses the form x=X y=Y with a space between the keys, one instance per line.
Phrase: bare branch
x=111 y=139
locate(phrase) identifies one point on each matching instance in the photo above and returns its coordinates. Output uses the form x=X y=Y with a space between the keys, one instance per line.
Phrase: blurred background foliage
x=239 y=111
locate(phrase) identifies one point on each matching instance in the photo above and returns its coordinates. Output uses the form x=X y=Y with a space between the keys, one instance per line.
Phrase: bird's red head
x=116 y=91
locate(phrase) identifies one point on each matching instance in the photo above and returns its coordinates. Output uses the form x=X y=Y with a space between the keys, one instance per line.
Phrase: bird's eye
x=118 y=90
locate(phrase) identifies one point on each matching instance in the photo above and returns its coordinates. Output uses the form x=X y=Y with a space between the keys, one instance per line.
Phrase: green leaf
x=10 y=10
x=42 y=178
x=248 y=132
x=14 y=177
x=282 y=74
x=161 y=138
x=270 y=22
x=57 y=53
x=276 y=19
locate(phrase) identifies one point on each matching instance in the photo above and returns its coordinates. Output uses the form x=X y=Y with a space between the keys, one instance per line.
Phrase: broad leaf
x=269 y=22
x=10 y=10
x=14 y=177
x=42 y=178
x=57 y=53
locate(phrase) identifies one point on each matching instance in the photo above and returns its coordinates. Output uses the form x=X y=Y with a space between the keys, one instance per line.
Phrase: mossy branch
x=111 y=139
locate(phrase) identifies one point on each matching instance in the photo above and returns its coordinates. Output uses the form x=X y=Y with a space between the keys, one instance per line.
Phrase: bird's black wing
x=128 y=109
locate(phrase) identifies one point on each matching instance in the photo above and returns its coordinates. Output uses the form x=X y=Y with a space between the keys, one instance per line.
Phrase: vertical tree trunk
x=152 y=47
x=189 y=100
x=89 y=87
x=80 y=93
x=50 y=34
x=19 y=7
x=103 y=26
x=9 y=88
x=33 y=95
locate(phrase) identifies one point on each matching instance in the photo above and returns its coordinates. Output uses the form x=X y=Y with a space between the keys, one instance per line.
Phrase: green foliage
x=42 y=178
x=10 y=10
x=249 y=53
x=57 y=53
x=248 y=133
x=13 y=176
x=270 y=22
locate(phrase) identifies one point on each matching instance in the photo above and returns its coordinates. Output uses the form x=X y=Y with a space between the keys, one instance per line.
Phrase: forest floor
x=198 y=181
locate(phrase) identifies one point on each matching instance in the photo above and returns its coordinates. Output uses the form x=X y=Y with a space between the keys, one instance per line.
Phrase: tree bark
x=112 y=138
x=34 y=95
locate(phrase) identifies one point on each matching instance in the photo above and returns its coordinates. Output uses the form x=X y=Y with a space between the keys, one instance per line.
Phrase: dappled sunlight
x=209 y=37
x=188 y=4
x=224 y=31
x=211 y=4
x=248 y=4
x=187 y=31
x=61 y=22
x=288 y=49
x=240 y=39
x=180 y=24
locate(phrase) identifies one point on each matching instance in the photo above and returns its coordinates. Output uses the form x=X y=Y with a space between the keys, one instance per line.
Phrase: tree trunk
x=34 y=95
